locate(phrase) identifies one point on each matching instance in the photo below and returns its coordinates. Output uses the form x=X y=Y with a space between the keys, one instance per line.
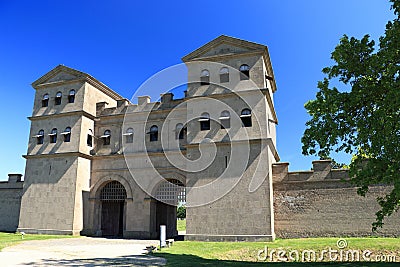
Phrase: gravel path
x=83 y=251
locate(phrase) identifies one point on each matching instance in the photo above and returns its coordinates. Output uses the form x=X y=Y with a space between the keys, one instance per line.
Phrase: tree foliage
x=365 y=120
x=181 y=212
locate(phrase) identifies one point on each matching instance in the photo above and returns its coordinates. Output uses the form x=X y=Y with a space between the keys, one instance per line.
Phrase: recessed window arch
x=225 y=119
x=71 y=96
x=153 y=133
x=224 y=75
x=57 y=100
x=45 y=100
x=53 y=135
x=180 y=131
x=106 y=137
x=128 y=135
x=244 y=72
x=40 y=137
x=204 y=121
x=67 y=134
x=113 y=191
x=171 y=191
x=204 y=77
x=245 y=116
x=89 y=139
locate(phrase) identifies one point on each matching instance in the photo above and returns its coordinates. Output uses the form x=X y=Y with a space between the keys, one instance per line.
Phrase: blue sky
x=123 y=43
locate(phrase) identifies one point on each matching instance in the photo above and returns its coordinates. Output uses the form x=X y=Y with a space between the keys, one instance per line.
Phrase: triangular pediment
x=225 y=48
x=59 y=74
x=224 y=45
x=66 y=74
x=62 y=76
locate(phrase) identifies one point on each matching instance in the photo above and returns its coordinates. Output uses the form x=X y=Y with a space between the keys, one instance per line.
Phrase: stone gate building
x=94 y=160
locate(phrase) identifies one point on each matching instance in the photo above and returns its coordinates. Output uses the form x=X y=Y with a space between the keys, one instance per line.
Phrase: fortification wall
x=321 y=203
x=10 y=202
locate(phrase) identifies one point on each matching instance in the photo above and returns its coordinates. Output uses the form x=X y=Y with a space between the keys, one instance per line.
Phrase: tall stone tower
x=58 y=162
x=231 y=141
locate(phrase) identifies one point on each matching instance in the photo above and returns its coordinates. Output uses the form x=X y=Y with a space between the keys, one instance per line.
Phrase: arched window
x=153 y=133
x=180 y=131
x=128 y=135
x=57 y=100
x=204 y=121
x=40 y=137
x=89 y=140
x=225 y=119
x=53 y=135
x=245 y=116
x=204 y=77
x=224 y=75
x=106 y=137
x=71 y=96
x=67 y=134
x=45 y=100
x=244 y=72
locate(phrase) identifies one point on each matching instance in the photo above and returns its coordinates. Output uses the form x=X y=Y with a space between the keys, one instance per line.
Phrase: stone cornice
x=271 y=144
x=265 y=91
x=128 y=169
x=135 y=113
x=58 y=155
x=66 y=114
x=139 y=154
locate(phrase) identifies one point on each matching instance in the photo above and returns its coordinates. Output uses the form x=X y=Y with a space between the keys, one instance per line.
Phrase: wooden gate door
x=112 y=197
x=111 y=215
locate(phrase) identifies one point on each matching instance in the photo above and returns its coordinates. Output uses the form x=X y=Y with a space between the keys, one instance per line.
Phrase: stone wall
x=51 y=195
x=240 y=214
x=10 y=202
x=321 y=203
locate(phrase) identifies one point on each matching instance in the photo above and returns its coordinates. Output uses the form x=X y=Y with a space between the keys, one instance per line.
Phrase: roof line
x=89 y=78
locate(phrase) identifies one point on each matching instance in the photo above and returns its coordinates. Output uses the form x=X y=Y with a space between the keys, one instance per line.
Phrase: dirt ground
x=83 y=251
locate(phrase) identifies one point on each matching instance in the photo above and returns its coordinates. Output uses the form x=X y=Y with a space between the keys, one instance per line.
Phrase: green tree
x=181 y=212
x=365 y=120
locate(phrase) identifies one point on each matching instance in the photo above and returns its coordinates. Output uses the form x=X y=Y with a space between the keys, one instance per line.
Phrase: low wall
x=10 y=202
x=321 y=203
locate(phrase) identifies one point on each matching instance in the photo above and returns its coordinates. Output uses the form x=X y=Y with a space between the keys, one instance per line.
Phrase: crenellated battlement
x=14 y=182
x=144 y=104
x=10 y=202
x=323 y=202
x=321 y=171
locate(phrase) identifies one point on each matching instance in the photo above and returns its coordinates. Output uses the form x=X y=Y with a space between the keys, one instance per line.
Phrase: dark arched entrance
x=113 y=196
x=168 y=195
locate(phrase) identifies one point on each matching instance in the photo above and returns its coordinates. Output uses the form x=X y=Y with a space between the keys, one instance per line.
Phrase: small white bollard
x=163 y=236
x=22 y=235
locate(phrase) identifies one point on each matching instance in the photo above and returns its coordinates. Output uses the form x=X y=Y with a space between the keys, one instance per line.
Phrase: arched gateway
x=168 y=195
x=112 y=196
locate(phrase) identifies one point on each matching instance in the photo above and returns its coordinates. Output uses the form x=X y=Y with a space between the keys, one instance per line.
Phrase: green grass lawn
x=245 y=253
x=181 y=225
x=9 y=239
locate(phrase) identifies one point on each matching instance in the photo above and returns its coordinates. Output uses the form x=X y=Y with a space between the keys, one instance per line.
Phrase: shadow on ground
x=183 y=260
x=133 y=260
